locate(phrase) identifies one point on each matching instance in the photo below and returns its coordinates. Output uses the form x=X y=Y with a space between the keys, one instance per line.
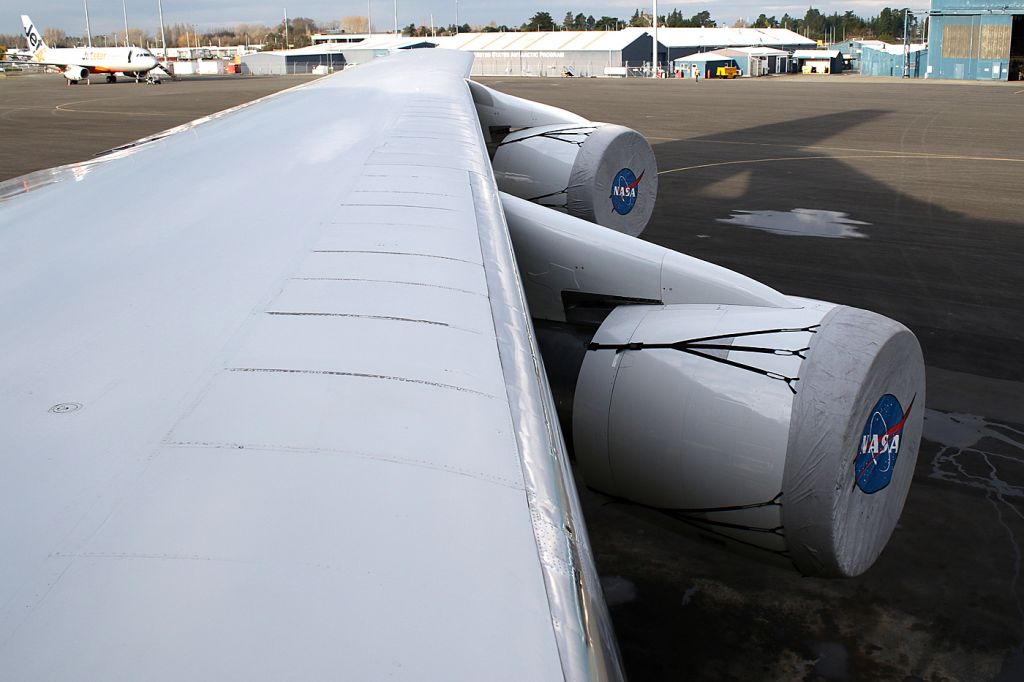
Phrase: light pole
x=124 y=8
x=906 y=42
x=88 y=29
x=654 y=49
x=163 y=38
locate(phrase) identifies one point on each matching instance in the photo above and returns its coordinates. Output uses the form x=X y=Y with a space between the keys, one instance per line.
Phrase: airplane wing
x=30 y=62
x=293 y=423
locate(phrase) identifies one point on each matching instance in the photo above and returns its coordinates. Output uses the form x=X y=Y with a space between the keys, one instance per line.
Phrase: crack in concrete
x=959 y=436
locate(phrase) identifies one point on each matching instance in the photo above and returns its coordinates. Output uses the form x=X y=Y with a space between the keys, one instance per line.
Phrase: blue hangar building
x=976 y=40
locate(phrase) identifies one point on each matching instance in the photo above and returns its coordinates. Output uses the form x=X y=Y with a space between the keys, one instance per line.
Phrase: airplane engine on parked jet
x=602 y=173
x=791 y=430
x=76 y=73
x=781 y=425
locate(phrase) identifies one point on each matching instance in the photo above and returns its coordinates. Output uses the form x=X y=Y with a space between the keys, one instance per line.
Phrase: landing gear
x=111 y=78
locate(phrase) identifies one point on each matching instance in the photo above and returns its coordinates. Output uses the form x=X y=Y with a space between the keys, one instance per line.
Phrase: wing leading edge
x=294 y=424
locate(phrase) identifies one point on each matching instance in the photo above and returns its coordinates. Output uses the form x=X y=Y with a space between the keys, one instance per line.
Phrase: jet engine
x=781 y=425
x=76 y=73
x=602 y=173
x=794 y=431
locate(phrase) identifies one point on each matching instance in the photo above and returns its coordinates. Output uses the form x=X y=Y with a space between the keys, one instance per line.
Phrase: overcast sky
x=106 y=15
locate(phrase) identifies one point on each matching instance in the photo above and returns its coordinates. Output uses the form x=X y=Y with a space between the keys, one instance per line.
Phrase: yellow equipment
x=727 y=72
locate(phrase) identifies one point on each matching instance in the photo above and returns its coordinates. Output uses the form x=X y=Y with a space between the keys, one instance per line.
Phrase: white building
x=682 y=42
x=553 y=53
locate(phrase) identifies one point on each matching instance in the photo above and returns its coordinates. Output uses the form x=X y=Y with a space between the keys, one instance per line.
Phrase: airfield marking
x=846 y=149
x=61 y=107
x=6 y=112
x=852 y=156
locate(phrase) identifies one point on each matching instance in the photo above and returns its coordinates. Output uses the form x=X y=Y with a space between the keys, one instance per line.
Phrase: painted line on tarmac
x=779 y=159
x=61 y=107
x=854 y=149
x=926 y=157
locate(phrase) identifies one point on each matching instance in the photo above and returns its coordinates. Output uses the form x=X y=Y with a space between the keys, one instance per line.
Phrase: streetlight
x=654 y=49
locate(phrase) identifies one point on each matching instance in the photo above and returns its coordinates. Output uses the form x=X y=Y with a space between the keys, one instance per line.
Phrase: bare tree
x=354 y=24
x=55 y=37
x=138 y=37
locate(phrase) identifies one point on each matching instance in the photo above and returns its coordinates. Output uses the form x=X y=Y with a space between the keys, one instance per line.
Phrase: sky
x=106 y=15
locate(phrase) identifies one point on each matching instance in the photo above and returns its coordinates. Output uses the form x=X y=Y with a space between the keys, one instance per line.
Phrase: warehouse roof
x=715 y=56
x=817 y=54
x=729 y=37
x=378 y=42
x=890 y=48
x=543 y=40
x=763 y=51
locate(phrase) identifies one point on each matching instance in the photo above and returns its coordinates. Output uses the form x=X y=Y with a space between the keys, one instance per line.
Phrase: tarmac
x=902 y=197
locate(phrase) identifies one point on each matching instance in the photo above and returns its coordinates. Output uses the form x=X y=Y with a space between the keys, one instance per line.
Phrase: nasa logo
x=880 y=444
x=624 y=189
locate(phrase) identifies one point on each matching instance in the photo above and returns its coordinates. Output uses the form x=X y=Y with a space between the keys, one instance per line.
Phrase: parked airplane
x=78 y=63
x=263 y=438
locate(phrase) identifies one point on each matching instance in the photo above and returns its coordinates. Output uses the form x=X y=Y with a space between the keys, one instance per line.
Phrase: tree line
x=299 y=33
x=888 y=26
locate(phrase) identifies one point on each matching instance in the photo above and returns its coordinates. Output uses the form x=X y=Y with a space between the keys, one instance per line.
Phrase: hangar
x=331 y=55
x=554 y=53
x=977 y=40
x=762 y=61
x=876 y=58
x=707 y=63
x=284 y=62
x=683 y=42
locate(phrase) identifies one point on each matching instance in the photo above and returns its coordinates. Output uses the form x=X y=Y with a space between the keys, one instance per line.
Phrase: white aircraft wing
x=293 y=423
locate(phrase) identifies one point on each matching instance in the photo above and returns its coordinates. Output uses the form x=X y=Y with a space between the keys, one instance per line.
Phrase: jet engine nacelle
x=792 y=430
x=76 y=73
x=605 y=174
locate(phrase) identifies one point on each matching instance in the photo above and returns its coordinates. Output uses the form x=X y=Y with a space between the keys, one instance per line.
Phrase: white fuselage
x=100 y=59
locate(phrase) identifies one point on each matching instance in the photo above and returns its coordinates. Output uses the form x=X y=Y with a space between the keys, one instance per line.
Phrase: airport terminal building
x=976 y=40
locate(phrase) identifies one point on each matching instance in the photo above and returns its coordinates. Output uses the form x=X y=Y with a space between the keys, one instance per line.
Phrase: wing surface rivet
x=62 y=408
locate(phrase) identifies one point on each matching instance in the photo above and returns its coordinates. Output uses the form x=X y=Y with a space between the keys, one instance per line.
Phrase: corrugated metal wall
x=874 y=62
x=545 y=63
x=971 y=39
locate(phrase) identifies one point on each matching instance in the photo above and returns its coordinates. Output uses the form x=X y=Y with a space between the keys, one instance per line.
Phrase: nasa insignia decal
x=624 y=188
x=880 y=444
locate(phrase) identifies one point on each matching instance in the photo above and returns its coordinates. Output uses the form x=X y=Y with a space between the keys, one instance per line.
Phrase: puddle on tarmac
x=800 y=222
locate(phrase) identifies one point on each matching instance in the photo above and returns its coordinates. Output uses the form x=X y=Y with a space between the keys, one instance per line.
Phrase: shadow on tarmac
x=943 y=602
